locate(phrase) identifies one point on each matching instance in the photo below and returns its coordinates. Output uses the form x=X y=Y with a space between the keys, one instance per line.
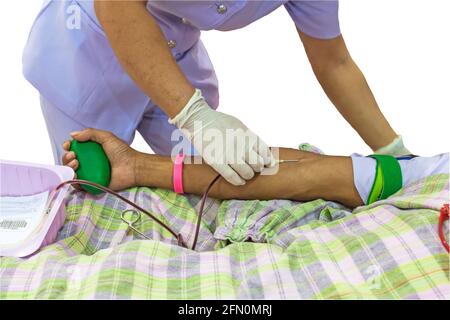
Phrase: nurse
x=127 y=66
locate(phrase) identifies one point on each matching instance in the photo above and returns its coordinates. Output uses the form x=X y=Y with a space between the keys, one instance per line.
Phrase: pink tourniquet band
x=178 y=174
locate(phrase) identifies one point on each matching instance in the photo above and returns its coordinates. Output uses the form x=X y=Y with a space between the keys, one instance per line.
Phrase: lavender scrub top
x=70 y=62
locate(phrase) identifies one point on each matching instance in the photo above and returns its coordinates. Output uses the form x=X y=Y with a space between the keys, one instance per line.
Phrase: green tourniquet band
x=377 y=187
x=388 y=178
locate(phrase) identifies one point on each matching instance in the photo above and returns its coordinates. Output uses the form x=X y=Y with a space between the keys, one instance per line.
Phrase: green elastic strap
x=388 y=178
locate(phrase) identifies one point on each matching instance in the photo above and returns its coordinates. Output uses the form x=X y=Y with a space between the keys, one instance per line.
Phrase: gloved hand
x=395 y=148
x=223 y=141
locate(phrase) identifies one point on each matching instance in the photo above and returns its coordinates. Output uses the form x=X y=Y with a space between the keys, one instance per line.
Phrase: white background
x=402 y=46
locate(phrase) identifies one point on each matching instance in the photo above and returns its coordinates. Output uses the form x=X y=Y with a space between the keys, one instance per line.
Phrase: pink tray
x=22 y=179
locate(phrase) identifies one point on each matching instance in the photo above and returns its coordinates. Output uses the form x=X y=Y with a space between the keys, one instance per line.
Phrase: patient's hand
x=121 y=156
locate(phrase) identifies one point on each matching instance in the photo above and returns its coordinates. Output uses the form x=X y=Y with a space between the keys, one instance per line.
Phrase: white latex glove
x=223 y=141
x=396 y=148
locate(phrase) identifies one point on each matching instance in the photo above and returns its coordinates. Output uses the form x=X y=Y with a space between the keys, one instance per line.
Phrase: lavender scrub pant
x=153 y=127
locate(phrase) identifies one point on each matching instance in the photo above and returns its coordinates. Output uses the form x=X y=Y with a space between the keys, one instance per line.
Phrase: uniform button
x=172 y=44
x=221 y=8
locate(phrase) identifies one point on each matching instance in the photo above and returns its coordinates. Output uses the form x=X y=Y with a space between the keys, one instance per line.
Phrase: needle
x=286 y=161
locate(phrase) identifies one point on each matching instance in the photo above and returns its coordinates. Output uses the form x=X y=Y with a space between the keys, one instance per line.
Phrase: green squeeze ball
x=93 y=166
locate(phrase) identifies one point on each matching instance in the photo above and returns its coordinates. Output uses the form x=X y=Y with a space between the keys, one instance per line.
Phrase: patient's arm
x=314 y=176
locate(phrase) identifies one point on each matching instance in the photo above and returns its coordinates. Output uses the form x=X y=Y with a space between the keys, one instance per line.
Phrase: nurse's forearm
x=313 y=177
x=142 y=50
x=347 y=88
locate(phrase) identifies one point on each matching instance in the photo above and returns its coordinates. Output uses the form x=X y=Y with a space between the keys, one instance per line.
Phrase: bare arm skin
x=142 y=50
x=313 y=177
x=347 y=88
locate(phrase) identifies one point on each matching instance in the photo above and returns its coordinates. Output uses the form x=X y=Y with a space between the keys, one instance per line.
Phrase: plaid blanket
x=247 y=250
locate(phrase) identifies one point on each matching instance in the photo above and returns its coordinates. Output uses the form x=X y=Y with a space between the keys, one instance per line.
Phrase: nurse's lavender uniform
x=83 y=85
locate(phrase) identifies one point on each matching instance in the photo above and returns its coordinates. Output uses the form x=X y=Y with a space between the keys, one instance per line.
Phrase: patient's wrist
x=139 y=168
x=153 y=171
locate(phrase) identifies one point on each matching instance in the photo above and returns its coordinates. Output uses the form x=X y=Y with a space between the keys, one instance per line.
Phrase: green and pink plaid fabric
x=247 y=250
